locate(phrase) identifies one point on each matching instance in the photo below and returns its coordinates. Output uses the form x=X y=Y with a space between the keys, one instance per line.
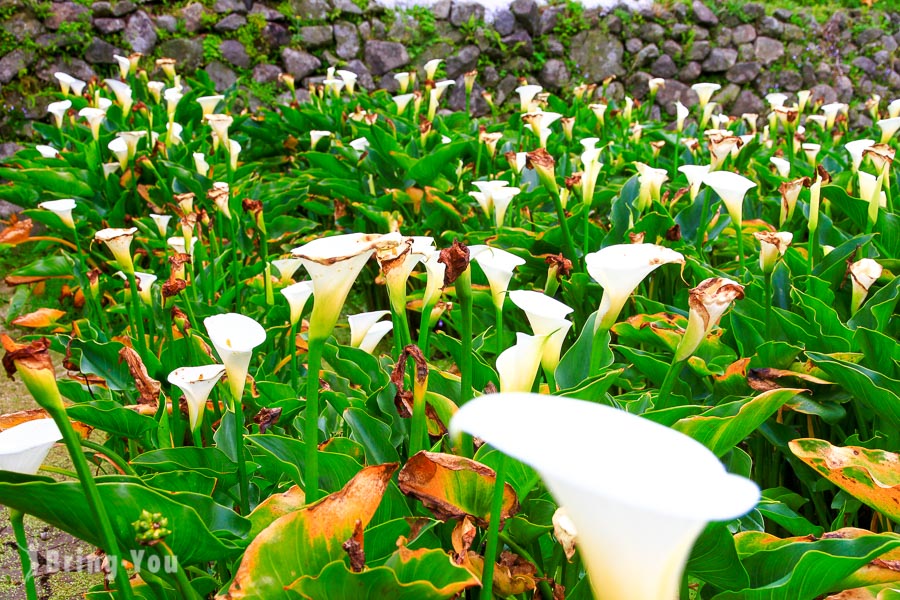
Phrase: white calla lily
x=547 y=317
x=59 y=110
x=286 y=268
x=708 y=302
x=145 y=284
x=526 y=96
x=498 y=266
x=162 y=222
x=234 y=337
x=208 y=104
x=772 y=244
x=119 y=243
x=782 y=166
x=621 y=479
x=47 y=151
x=94 y=117
x=856 y=149
x=62 y=208
x=24 y=447
x=518 y=365
x=119 y=147
x=831 y=112
x=67 y=82
x=297 y=295
x=705 y=91
x=619 y=269
x=863 y=273
x=431 y=67
x=731 y=188
x=123 y=93
x=361 y=323
x=156 y=89
x=694 y=175
x=681 y=113
x=196 y=383
x=403 y=80
x=888 y=128
x=651 y=181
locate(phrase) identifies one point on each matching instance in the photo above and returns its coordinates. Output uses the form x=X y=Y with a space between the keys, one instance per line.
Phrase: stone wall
x=749 y=49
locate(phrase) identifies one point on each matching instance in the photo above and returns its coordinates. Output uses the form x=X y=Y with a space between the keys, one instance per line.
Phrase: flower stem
x=107 y=536
x=292 y=351
x=418 y=436
x=243 y=481
x=464 y=293
x=16 y=518
x=564 y=225
x=235 y=266
x=770 y=330
x=493 y=533
x=701 y=226
x=311 y=425
x=425 y=328
x=665 y=391
x=740 y=244
x=113 y=457
x=137 y=315
x=182 y=584
x=498 y=316
x=85 y=281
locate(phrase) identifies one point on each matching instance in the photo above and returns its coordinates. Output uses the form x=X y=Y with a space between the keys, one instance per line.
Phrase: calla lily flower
x=208 y=104
x=894 y=108
x=162 y=222
x=234 y=151
x=651 y=181
x=694 y=175
x=123 y=93
x=731 y=188
x=397 y=256
x=435 y=271
x=297 y=295
x=708 y=302
x=776 y=99
x=403 y=80
x=24 y=447
x=494 y=196
x=47 y=151
x=812 y=151
x=196 y=383
x=547 y=317
x=220 y=194
x=156 y=90
x=434 y=96
x=591 y=165
x=888 y=127
x=109 y=169
x=402 y=101
x=333 y=263
x=220 y=125
x=286 y=268
x=622 y=481
x=856 y=149
x=94 y=117
x=681 y=113
x=67 y=82
x=498 y=267
x=863 y=273
x=349 y=78
x=831 y=112
x=772 y=245
x=315 y=136
x=431 y=68
x=870 y=187
x=234 y=337
x=124 y=65
x=119 y=147
x=119 y=243
x=619 y=269
x=172 y=96
x=782 y=166
x=819 y=120
x=145 y=283
x=705 y=91
x=599 y=110
x=200 y=163
x=366 y=331
x=58 y=110
x=526 y=96
x=518 y=365
x=62 y=208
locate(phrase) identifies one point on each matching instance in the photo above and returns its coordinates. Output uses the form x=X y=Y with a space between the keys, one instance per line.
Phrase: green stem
x=493 y=533
x=182 y=584
x=770 y=330
x=564 y=225
x=740 y=243
x=464 y=293
x=235 y=266
x=586 y=243
x=311 y=424
x=93 y=305
x=114 y=458
x=498 y=317
x=665 y=391
x=16 y=518
x=402 y=337
x=137 y=315
x=107 y=536
x=292 y=350
x=418 y=439
x=425 y=328
x=243 y=481
x=701 y=226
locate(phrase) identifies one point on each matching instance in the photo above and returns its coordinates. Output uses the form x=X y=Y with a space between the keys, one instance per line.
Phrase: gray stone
x=167 y=23
x=745 y=52
x=229 y=6
x=744 y=72
x=298 y=63
x=554 y=74
x=675 y=91
x=865 y=64
x=270 y=14
x=646 y=56
x=703 y=15
x=790 y=81
x=188 y=53
x=614 y=23
x=783 y=14
x=633 y=45
x=462 y=62
x=490 y=76
x=66 y=12
x=266 y=73
x=441 y=9
x=456 y=99
x=232 y=22
x=843 y=85
x=504 y=22
x=690 y=72
x=193 y=17
x=882 y=56
x=597 y=55
x=101 y=9
x=700 y=33
x=140 y=33
x=651 y=32
x=768 y=50
x=698 y=50
x=517 y=64
x=771 y=27
x=719 y=60
x=672 y=48
x=555 y=47
x=234 y=52
x=12 y=63
x=221 y=76
x=727 y=95
x=465 y=12
x=8 y=209
x=793 y=33
x=748 y=102
x=615 y=91
x=527 y=14
x=889 y=44
x=73 y=66
x=549 y=19
x=347 y=7
x=108 y=26
x=310 y=9
x=679 y=30
x=519 y=44
x=123 y=8
x=753 y=10
x=347 y=39
x=638 y=84
x=381 y=57
x=276 y=35
x=893 y=80
x=364 y=77
x=23 y=26
x=100 y=52
x=866 y=36
x=743 y=34
x=664 y=67
x=317 y=36
x=723 y=36
x=403 y=29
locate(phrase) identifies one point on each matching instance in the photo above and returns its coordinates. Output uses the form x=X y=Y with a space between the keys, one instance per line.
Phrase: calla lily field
x=366 y=347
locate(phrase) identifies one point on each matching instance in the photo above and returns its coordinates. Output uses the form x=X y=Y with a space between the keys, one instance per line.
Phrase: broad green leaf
x=782 y=514
x=878 y=309
x=723 y=427
x=871 y=476
x=202 y=530
x=208 y=462
x=374 y=435
x=407 y=575
x=876 y=391
x=112 y=418
x=67 y=183
x=575 y=366
x=103 y=361
x=714 y=559
x=319 y=529
x=336 y=469
x=274 y=507
x=49 y=266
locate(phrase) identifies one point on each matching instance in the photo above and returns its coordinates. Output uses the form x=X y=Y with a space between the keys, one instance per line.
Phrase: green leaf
x=49 y=266
x=202 y=530
x=208 y=462
x=336 y=469
x=714 y=559
x=67 y=183
x=429 y=167
x=723 y=427
x=374 y=435
x=877 y=311
x=875 y=390
x=407 y=575
x=112 y=418
x=103 y=361
x=575 y=366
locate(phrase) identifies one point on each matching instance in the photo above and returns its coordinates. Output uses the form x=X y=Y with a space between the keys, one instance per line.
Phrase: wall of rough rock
x=749 y=49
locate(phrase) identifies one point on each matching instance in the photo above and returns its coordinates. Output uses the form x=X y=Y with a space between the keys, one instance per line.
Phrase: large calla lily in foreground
x=24 y=447
x=637 y=492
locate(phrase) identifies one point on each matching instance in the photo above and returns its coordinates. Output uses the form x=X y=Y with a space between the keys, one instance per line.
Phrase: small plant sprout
x=620 y=479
